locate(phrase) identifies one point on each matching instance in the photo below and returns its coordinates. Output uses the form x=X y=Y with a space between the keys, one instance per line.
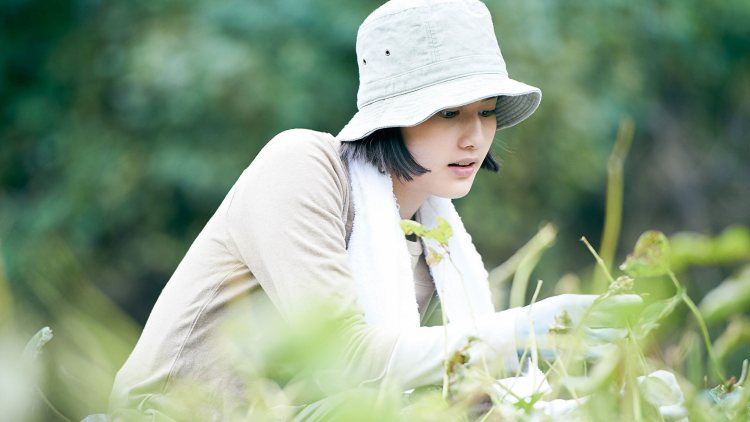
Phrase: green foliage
x=655 y=312
x=731 y=297
x=731 y=245
x=284 y=366
x=123 y=125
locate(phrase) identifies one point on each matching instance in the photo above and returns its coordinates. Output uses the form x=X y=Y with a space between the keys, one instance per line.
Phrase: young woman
x=314 y=220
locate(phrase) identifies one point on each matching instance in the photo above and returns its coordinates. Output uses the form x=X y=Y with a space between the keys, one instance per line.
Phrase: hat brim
x=518 y=101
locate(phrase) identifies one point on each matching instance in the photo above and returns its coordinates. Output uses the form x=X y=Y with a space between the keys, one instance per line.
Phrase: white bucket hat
x=417 y=57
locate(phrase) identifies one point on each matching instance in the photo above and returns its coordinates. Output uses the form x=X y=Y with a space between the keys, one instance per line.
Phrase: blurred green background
x=124 y=124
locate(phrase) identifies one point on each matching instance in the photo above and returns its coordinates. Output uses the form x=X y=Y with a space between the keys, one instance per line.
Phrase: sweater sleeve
x=285 y=220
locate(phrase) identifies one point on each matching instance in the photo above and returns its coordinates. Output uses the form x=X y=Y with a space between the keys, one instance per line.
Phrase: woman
x=314 y=220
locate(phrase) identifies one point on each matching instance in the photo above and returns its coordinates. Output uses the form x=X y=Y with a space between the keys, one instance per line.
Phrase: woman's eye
x=447 y=114
x=487 y=113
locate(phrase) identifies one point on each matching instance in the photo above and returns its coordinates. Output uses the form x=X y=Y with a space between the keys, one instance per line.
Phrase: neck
x=408 y=201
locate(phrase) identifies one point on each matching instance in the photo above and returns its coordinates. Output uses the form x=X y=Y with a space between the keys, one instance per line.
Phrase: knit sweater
x=279 y=238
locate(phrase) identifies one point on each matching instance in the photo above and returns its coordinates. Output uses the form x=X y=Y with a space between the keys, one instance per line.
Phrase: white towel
x=381 y=265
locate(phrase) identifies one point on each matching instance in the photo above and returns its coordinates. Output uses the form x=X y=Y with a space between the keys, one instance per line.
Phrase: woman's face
x=451 y=144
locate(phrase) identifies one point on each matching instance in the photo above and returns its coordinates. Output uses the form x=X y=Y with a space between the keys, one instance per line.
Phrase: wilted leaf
x=433 y=257
x=563 y=323
x=621 y=285
x=650 y=256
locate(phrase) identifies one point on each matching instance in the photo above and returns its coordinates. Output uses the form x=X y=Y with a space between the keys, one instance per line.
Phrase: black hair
x=385 y=149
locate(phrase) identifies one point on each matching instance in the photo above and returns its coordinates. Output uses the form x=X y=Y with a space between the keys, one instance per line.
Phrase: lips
x=467 y=162
x=463 y=168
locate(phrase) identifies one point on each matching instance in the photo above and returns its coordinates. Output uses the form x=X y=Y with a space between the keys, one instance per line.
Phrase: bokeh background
x=124 y=124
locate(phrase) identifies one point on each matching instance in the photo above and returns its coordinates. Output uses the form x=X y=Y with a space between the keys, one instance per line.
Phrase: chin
x=455 y=193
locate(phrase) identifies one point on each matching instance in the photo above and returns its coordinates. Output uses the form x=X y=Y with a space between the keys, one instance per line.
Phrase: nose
x=472 y=134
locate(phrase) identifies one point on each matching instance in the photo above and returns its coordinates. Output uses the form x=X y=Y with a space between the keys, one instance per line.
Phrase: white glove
x=595 y=322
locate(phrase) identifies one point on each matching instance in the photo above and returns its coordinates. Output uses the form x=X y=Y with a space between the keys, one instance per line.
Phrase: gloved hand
x=590 y=322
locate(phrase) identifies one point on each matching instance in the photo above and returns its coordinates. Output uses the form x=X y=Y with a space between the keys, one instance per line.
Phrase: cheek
x=423 y=150
x=422 y=156
x=490 y=129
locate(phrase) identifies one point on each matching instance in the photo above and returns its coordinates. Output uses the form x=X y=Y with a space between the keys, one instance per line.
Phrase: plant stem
x=702 y=325
x=499 y=275
x=487 y=415
x=615 y=183
x=564 y=371
x=599 y=261
x=534 y=351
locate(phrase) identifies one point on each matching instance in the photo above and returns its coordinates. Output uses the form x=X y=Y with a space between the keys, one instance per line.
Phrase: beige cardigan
x=280 y=234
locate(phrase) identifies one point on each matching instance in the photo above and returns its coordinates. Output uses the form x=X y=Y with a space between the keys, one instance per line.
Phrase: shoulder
x=301 y=144
x=301 y=156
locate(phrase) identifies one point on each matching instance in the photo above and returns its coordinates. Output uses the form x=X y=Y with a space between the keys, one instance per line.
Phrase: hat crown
x=406 y=45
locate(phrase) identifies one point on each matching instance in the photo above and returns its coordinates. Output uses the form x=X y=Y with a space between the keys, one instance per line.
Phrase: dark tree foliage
x=123 y=125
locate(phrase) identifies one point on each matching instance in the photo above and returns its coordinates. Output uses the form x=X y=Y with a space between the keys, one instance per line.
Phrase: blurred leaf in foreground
x=34 y=346
x=732 y=296
x=18 y=378
x=736 y=335
x=660 y=389
x=603 y=372
x=654 y=313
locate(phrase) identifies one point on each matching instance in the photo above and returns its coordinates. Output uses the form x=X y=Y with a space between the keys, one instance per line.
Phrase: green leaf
x=527 y=404
x=603 y=372
x=442 y=232
x=650 y=257
x=730 y=297
x=653 y=314
x=412 y=227
x=734 y=337
x=689 y=248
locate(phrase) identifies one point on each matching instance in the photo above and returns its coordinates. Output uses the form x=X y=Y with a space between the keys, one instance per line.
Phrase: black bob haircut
x=385 y=149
